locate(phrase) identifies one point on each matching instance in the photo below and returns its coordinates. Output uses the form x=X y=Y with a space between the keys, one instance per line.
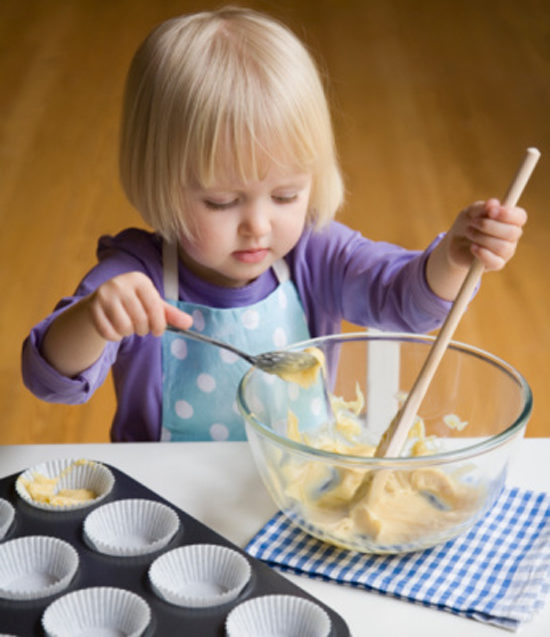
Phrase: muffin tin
x=257 y=585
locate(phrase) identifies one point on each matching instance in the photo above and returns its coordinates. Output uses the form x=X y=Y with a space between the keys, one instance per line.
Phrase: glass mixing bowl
x=313 y=445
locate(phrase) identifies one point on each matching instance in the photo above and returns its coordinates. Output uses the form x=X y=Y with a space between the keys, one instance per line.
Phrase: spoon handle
x=207 y=339
x=394 y=438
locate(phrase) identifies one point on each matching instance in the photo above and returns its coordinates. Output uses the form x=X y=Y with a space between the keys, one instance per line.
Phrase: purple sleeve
x=135 y=361
x=341 y=274
x=47 y=383
x=40 y=377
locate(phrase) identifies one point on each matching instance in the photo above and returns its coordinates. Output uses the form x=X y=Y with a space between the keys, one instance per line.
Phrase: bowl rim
x=512 y=431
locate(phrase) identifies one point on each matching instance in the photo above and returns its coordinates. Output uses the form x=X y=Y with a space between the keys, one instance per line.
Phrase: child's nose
x=255 y=221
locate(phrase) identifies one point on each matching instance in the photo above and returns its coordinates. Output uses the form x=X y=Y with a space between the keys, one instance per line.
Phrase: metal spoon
x=278 y=362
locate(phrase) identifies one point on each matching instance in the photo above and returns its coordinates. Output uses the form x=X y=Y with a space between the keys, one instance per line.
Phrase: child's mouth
x=251 y=256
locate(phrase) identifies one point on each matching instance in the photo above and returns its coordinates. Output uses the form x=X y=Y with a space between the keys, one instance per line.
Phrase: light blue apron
x=199 y=380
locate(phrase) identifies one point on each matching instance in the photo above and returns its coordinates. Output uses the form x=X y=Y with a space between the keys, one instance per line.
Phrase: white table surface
x=217 y=483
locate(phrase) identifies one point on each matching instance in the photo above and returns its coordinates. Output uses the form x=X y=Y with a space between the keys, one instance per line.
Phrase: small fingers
x=492 y=261
x=152 y=306
x=493 y=251
x=485 y=227
x=106 y=323
x=136 y=319
x=512 y=215
x=116 y=311
x=128 y=304
x=494 y=231
x=176 y=317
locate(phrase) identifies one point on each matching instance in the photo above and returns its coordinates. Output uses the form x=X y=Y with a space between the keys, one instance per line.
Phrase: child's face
x=242 y=229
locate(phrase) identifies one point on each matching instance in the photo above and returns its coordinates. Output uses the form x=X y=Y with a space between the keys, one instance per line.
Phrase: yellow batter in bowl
x=392 y=507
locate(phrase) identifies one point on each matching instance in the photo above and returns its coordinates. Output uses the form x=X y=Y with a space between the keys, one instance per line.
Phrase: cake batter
x=392 y=507
x=44 y=489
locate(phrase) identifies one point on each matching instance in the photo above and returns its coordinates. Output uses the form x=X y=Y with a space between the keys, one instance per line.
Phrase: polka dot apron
x=199 y=380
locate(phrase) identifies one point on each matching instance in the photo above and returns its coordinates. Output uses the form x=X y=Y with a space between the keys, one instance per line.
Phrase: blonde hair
x=228 y=87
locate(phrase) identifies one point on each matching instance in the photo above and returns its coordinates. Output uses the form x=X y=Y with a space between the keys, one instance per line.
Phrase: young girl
x=227 y=151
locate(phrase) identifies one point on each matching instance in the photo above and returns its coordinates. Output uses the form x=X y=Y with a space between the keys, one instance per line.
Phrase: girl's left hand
x=489 y=231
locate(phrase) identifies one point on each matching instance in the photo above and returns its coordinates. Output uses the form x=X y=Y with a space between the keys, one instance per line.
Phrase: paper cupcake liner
x=7 y=513
x=199 y=575
x=70 y=474
x=130 y=527
x=35 y=566
x=281 y=615
x=98 y=610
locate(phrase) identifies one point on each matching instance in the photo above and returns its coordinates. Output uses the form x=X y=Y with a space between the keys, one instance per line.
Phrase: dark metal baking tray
x=23 y=618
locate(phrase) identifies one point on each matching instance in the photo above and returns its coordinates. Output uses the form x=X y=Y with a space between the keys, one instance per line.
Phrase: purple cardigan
x=338 y=273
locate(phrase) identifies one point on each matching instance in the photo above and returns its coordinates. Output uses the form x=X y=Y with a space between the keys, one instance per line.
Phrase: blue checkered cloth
x=497 y=573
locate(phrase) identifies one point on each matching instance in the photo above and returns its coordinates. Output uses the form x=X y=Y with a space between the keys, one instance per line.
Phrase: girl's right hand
x=130 y=304
x=126 y=304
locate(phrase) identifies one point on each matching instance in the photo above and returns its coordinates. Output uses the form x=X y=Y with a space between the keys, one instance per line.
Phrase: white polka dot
x=251 y=319
x=279 y=337
x=317 y=406
x=268 y=379
x=255 y=404
x=293 y=391
x=178 y=348
x=283 y=301
x=206 y=383
x=219 y=431
x=228 y=357
x=235 y=408
x=198 y=320
x=183 y=409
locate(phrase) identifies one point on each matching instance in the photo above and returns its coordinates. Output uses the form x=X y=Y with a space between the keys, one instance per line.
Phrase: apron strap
x=170 y=270
x=281 y=270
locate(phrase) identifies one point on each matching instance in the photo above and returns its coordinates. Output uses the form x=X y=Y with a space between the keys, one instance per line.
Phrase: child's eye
x=219 y=205
x=285 y=198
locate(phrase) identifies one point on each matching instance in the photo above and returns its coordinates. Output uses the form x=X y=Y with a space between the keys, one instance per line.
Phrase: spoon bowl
x=281 y=363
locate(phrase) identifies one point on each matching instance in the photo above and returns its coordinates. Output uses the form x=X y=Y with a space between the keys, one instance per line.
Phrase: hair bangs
x=243 y=123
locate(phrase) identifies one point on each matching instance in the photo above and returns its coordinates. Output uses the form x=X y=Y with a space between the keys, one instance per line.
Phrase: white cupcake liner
x=130 y=527
x=101 y=610
x=71 y=474
x=7 y=513
x=35 y=566
x=199 y=575
x=281 y=615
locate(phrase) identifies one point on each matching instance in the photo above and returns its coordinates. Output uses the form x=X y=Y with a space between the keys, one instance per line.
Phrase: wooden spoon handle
x=394 y=437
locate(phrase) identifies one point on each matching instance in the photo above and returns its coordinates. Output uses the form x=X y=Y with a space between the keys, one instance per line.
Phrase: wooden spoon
x=394 y=437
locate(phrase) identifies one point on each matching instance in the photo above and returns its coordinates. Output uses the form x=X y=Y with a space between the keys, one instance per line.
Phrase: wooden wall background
x=434 y=103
